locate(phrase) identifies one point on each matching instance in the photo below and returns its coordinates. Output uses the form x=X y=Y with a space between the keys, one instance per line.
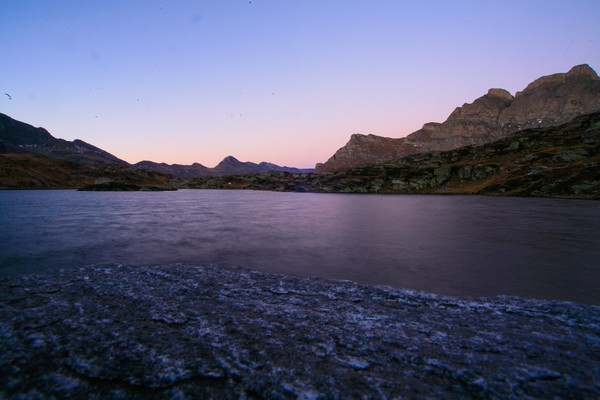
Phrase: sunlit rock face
x=548 y=101
x=180 y=331
x=553 y=100
x=366 y=149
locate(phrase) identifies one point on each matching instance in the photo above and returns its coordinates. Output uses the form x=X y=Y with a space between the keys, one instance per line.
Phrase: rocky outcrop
x=470 y=124
x=365 y=149
x=553 y=100
x=180 y=331
x=546 y=102
x=562 y=161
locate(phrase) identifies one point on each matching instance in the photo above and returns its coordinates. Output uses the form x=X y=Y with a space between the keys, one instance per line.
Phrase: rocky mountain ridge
x=546 y=102
x=561 y=161
x=228 y=166
x=17 y=137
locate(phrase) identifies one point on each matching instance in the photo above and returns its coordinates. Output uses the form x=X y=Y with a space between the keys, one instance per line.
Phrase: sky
x=282 y=81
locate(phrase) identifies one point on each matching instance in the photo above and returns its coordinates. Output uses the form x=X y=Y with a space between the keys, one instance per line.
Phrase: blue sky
x=281 y=81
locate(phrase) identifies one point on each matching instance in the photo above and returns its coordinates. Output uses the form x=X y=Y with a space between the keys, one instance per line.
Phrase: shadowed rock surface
x=179 y=331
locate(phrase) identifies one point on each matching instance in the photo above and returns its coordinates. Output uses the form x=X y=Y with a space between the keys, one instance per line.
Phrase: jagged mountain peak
x=20 y=138
x=577 y=73
x=501 y=94
x=229 y=160
x=548 y=101
x=583 y=70
x=232 y=166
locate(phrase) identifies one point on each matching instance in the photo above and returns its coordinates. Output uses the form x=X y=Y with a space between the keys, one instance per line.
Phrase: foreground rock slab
x=180 y=331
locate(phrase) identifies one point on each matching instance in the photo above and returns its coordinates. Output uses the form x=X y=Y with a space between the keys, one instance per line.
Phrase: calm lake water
x=452 y=245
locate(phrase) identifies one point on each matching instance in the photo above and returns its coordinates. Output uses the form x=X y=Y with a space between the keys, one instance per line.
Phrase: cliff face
x=365 y=149
x=548 y=101
x=553 y=100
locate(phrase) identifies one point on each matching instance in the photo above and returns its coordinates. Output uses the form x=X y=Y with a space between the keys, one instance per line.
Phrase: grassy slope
x=25 y=171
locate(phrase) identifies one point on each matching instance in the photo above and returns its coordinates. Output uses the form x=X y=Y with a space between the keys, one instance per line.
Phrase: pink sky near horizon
x=282 y=82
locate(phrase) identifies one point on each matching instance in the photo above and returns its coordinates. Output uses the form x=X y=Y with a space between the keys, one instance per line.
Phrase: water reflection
x=455 y=245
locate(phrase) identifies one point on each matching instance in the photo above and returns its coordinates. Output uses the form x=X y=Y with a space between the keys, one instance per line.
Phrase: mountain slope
x=20 y=138
x=228 y=166
x=231 y=166
x=30 y=171
x=548 y=101
x=562 y=161
x=179 y=170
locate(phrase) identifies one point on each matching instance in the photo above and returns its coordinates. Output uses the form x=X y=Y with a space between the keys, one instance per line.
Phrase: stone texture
x=553 y=100
x=180 y=331
x=546 y=102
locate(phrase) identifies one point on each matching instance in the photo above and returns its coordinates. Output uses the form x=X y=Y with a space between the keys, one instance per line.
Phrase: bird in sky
x=9 y=96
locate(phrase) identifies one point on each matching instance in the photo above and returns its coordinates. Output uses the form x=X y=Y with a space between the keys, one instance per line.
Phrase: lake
x=450 y=245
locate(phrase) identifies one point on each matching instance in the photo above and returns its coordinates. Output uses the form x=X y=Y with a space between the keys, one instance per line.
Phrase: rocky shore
x=179 y=331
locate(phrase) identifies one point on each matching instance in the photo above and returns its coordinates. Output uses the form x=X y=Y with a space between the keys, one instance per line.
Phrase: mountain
x=229 y=166
x=20 y=138
x=546 y=102
x=179 y=170
x=560 y=161
x=30 y=171
x=33 y=158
